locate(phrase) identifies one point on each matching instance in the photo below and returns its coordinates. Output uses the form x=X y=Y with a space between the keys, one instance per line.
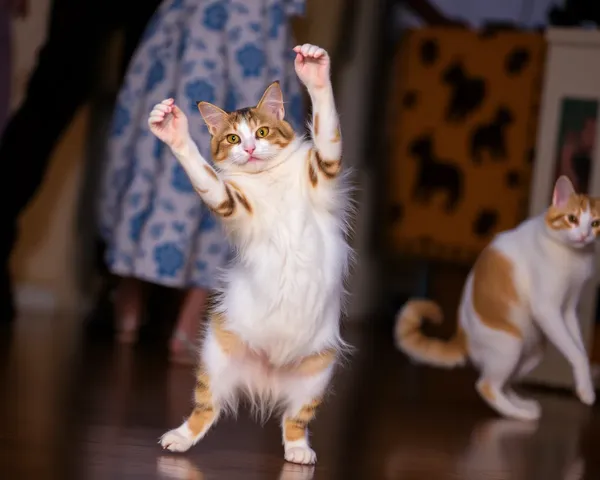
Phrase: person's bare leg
x=128 y=309
x=183 y=346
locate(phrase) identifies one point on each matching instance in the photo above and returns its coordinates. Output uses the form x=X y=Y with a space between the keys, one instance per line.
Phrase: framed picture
x=576 y=141
x=568 y=139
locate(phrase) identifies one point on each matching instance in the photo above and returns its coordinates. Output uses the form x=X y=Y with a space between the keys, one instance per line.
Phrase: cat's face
x=572 y=218
x=249 y=139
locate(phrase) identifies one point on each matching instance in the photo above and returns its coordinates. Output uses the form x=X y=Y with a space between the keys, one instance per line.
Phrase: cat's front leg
x=313 y=68
x=169 y=124
x=552 y=323
x=572 y=320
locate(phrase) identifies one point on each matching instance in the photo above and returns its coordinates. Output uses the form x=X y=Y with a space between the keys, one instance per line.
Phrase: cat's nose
x=250 y=149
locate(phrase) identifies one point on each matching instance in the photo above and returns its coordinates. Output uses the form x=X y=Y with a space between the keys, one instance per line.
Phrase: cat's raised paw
x=175 y=441
x=312 y=65
x=301 y=455
x=310 y=51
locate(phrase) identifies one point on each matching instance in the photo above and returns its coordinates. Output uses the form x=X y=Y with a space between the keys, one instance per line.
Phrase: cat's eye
x=233 y=139
x=262 y=132
x=596 y=224
x=572 y=219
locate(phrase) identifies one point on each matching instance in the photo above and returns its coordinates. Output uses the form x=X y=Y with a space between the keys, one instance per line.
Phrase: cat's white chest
x=570 y=266
x=580 y=271
x=284 y=294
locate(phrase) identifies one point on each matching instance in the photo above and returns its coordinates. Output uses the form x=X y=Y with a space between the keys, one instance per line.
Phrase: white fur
x=487 y=450
x=284 y=291
x=550 y=271
x=550 y=267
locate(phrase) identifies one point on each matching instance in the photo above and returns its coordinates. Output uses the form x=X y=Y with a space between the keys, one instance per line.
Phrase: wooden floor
x=72 y=408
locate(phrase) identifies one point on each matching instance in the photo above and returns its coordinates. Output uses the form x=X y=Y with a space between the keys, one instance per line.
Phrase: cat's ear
x=563 y=189
x=271 y=102
x=214 y=117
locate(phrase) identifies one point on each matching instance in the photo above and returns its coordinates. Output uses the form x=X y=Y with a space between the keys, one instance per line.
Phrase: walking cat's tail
x=409 y=338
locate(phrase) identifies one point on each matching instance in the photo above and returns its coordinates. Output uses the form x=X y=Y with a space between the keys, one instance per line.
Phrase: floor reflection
x=81 y=410
x=516 y=450
x=297 y=472
x=180 y=468
x=499 y=446
x=177 y=468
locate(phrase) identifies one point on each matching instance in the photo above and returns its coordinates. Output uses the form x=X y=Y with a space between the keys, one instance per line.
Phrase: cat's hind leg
x=303 y=393
x=530 y=360
x=216 y=383
x=498 y=366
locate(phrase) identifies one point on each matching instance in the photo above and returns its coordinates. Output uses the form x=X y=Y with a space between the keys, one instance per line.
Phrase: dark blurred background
x=442 y=105
x=439 y=103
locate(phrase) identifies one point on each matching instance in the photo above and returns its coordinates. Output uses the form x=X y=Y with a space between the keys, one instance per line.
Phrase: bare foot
x=184 y=342
x=183 y=351
x=128 y=310
x=127 y=336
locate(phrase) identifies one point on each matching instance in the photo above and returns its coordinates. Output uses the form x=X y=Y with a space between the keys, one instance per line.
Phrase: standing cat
x=524 y=286
x=284 y=202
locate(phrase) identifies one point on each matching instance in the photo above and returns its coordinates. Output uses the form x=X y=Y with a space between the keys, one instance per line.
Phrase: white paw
x=586 y=394
x=532 y=410
x=524 y=414
x=521 y=409
x=301 y=455
x=175 y=441
x=531 y=406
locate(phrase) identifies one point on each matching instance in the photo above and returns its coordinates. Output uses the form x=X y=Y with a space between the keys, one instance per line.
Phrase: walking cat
x=284 y=202
x=524 y=287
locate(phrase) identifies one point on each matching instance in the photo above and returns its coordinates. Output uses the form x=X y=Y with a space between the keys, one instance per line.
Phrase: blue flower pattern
x=169 y=259
x=230 y=100
x=215 y=16
x=180 y=181
x=277 y=19
x=138 y=222
x=183 y=43
x=199 y=90
x=221 y=51
x=252 y=60
x=176 y=4
x=207 y=221
x=156 y=75
x=121 y=120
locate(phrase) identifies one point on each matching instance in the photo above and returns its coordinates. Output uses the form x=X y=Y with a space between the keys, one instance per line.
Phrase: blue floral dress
x=225 y=52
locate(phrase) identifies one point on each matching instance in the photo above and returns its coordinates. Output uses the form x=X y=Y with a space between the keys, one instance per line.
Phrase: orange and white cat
x=283 y=199
x=523 y=288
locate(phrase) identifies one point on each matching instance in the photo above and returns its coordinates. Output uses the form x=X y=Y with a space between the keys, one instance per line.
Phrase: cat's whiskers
x=267 y=163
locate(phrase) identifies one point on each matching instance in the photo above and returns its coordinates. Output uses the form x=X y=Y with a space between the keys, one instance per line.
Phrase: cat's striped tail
x=421 y=348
